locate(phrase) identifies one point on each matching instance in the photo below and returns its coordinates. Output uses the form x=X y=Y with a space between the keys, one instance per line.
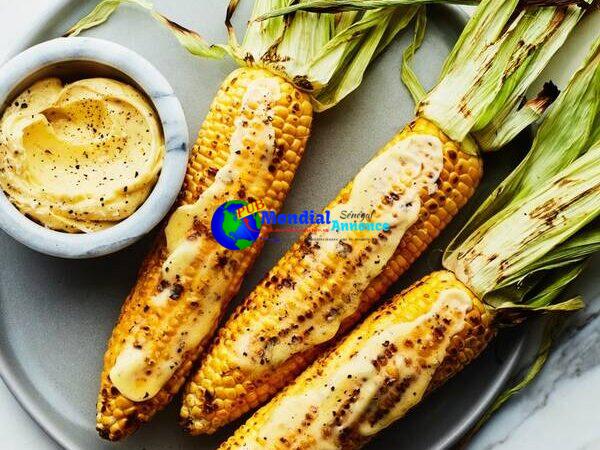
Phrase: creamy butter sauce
x=82 y=156
x=188 y=274
x=365 y=384
x=310 y=306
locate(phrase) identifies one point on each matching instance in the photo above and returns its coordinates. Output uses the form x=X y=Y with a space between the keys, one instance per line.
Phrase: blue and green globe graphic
x=231 y=232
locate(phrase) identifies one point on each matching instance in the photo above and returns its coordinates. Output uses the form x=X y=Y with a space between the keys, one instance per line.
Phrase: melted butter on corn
x=365 y=384
x=388 y=187
x=142 y=368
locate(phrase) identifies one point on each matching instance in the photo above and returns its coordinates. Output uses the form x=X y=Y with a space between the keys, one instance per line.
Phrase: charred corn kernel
x=176 y=303
x=377 y=373
x=310 y=297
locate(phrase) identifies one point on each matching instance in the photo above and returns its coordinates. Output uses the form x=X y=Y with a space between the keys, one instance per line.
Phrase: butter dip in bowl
x=93 y=147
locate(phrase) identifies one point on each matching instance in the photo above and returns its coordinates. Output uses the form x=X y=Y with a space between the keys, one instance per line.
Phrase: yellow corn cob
x=154 y=326
x=222 y=390
x=384 y=367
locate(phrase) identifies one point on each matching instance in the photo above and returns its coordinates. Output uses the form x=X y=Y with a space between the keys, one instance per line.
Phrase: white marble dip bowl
x=77 y=58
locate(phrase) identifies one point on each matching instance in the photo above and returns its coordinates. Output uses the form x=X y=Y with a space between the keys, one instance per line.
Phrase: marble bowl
x=81 y=57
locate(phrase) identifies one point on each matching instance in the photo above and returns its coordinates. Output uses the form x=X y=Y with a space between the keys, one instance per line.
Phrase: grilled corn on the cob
x=384 y=367
x=248 y=148
x=306 y=300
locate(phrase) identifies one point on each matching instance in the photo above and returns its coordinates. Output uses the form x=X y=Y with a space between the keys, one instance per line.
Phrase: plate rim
x=9 y=372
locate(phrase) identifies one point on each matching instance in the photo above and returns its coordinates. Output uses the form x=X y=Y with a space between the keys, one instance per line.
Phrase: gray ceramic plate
x=55 y=315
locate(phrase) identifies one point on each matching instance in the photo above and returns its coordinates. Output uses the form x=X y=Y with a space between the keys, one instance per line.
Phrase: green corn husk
x=544 y=280
x=509 y=123
x=337 y=6
x=508 y=247
x=409 y=78
x=191 y=40
x=323 y=54
x=572 y=125
x=529 y=240
x=379 y=28
x=499 y=54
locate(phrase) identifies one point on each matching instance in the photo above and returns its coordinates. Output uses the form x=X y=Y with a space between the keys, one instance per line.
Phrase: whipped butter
x=82 y=156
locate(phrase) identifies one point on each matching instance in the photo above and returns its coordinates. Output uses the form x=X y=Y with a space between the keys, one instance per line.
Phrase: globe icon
x=231 y=232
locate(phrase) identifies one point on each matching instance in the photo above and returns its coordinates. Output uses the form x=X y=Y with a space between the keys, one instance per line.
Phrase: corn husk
x=499 y=55
x=409 y=78
x=510 y=246
x=191 y=40
x=572 y=125
x=531 y=237
x=337 y=6
x=509 y=123
x=323 y=54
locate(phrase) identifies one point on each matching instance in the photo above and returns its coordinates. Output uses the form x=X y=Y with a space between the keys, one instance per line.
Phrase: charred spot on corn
x=303 y=83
